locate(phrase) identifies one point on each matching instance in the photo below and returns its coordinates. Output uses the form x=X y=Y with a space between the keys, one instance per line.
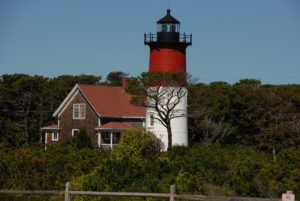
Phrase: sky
x=232 y=39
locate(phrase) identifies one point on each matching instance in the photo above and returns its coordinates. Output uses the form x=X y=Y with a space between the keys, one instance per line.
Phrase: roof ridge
x=93 y=85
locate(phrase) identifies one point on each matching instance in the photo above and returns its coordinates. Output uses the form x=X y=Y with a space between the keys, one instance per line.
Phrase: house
x=105 y=112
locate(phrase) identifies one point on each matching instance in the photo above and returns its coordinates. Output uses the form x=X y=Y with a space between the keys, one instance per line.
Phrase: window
x=54 y=136
x=79 y=111
x=110 y=138
x=75 y=132
x=105 y=137
x=116 y=137
x=151 y=120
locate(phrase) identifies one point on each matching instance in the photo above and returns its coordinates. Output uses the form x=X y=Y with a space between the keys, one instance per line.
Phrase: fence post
x=172 y=192
x=67 y=192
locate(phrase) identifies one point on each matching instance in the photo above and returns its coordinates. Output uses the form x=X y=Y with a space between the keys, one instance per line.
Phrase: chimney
x=125 y=82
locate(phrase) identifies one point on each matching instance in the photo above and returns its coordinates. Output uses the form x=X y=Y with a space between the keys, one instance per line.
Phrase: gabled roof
x=115 y=125
x=106 y=101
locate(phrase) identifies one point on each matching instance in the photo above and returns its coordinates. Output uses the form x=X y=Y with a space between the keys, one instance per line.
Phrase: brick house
x=105 y=112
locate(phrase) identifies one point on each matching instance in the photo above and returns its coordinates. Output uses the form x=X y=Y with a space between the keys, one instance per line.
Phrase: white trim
x=68 y=103
x=111 y=139
x=115 y=129
x=144 y=123
x=99 y=122
x=87 y=100
x=73 y=130
x=55 y=139
x=111 y=134
x=58 y=123
x=99 y=139
x=63 y=105
x=124 y=117
x=46 y=135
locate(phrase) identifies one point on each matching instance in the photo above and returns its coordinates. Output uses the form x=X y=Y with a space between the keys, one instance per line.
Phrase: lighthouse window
x=151 y=120
x=168 y=28
x=173 y=28
x=164 y=28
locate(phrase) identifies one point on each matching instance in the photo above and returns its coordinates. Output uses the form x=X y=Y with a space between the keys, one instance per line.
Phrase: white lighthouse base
x=178 y=125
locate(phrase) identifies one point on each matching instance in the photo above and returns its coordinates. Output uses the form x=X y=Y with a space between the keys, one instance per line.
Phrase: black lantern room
x=168 y=31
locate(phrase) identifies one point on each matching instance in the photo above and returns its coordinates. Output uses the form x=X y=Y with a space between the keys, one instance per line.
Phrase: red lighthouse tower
x=168 y=46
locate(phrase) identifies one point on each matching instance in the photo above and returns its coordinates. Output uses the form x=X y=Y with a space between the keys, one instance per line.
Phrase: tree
x=24 y=101
x=81 y=140
x=209 y=112
x=138 y=145
x=161 y=92
x=115 y=78
x=250 y=82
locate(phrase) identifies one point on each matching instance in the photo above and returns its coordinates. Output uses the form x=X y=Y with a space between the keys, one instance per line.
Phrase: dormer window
x=79 y=111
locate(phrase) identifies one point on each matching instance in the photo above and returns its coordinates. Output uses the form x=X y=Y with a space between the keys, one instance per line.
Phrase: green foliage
x=27 y=103
x=212 y=170
x=250 y=82
x=138 y=145
x=80 y=140
x=130 y=167
x=115 y=78
x=245 y=113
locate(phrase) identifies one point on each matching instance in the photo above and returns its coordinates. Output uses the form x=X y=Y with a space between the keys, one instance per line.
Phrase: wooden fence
x=172 y=195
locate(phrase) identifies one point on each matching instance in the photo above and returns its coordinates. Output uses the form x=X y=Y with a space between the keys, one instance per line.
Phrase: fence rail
x=172 y=195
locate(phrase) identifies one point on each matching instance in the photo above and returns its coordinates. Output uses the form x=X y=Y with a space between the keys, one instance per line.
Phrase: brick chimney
x=125 y=82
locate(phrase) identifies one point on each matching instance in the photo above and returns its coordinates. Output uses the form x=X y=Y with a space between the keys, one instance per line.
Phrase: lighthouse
x=168 y=54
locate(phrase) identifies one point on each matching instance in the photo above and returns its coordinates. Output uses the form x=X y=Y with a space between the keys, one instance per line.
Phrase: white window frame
x=81 y=110
x=53 y=136
x=74 y=130
x=111 y=136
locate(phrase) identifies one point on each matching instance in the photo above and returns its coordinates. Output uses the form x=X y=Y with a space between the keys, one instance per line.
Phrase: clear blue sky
x=232 y=39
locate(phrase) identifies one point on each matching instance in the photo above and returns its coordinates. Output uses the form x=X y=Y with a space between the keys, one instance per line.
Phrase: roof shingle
x=115 y=125
x=111 y=101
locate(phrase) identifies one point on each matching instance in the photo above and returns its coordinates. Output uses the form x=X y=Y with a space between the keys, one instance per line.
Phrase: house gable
x=67 y=122
x=111 y=102
x=69 y=98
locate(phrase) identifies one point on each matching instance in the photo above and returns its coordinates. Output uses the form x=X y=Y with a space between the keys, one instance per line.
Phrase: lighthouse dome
x=168 y=19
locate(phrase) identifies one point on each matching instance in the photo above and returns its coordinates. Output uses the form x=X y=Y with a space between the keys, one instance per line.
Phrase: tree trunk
x=169 y=136
x=26 y=130
x=274 y=154
x=41 y=125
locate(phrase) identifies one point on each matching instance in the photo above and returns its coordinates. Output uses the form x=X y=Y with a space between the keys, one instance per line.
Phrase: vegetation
x=244 y=138
x=213 y=170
